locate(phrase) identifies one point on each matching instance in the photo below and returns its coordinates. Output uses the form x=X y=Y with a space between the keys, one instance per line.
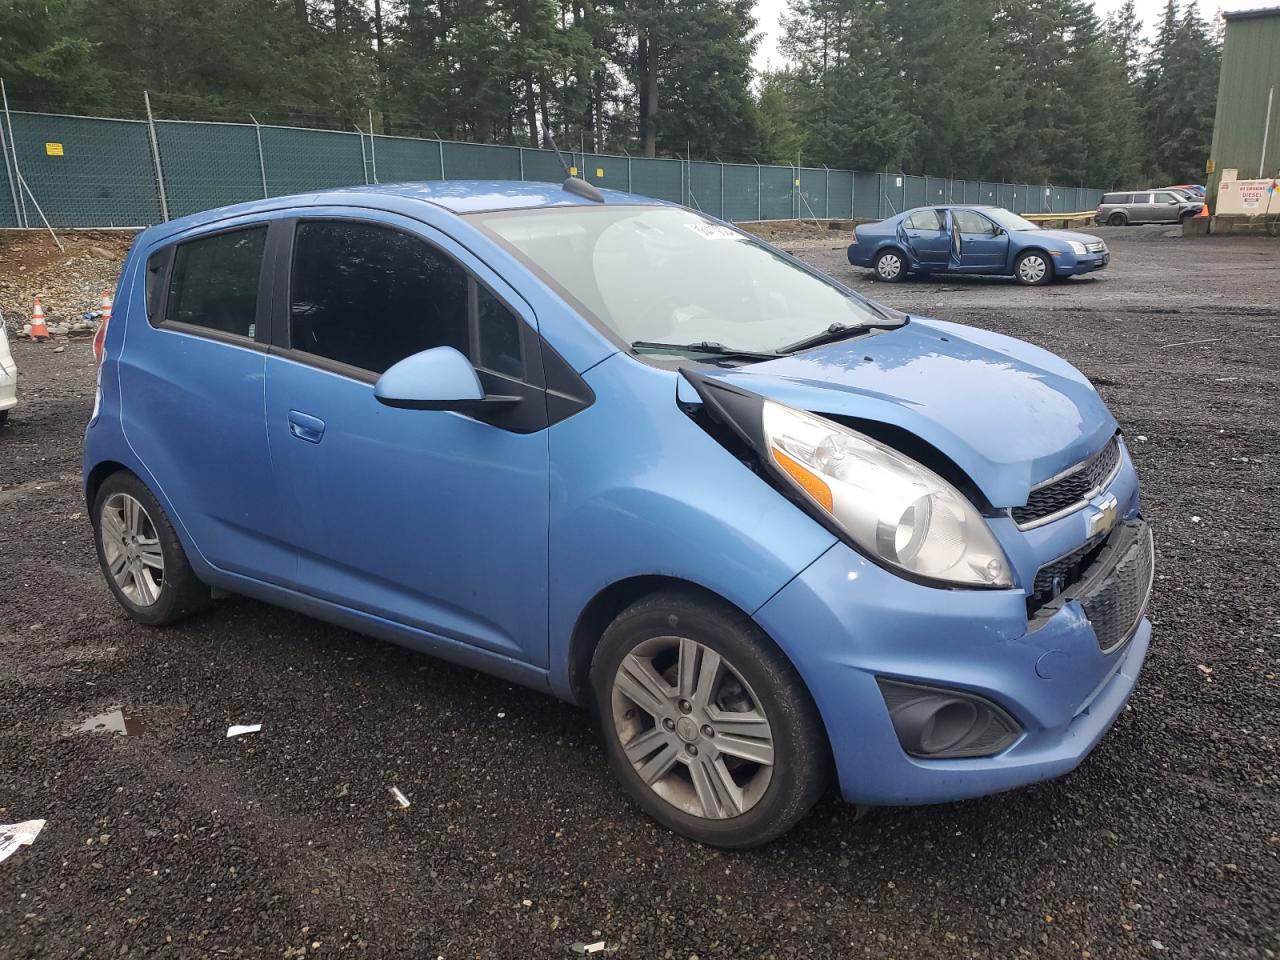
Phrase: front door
x=1165 y=207
x=924 y=233
x=432 y=519
x=977 y=244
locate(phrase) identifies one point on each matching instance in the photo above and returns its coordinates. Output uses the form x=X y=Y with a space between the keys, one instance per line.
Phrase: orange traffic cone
x=106 y=306
x=1204 y=209
x=38 y=329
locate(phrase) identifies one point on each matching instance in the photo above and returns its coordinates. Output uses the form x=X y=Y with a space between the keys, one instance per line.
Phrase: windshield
x=668 y=275
x=1010 y=221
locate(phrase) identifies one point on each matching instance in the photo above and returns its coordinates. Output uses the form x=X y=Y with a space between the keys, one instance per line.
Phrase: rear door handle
x=306 y=427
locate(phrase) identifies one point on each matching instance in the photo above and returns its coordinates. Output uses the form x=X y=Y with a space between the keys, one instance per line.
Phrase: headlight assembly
x=894 y=509
x=1079 y=248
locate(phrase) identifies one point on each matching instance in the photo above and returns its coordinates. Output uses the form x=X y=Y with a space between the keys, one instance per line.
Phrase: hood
x=1007 y=413
x=1065 y=235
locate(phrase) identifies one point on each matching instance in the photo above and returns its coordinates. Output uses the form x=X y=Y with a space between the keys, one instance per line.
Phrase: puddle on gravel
x=118 y=720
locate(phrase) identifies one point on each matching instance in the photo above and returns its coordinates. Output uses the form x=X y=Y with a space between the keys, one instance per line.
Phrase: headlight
x=892 y=508
x=1079 y=248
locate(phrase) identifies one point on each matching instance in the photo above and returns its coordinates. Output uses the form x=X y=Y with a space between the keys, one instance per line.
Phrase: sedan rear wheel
x=1033 y=269
x=705 y=722
x=890 y=267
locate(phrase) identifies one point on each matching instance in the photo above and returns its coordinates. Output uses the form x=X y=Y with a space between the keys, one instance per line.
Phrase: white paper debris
x=400 y=797
x=15 y=835
x=235 y=731
x=587 y=948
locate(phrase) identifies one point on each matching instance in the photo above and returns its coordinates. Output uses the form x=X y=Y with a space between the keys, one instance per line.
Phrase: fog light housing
x=936 y=724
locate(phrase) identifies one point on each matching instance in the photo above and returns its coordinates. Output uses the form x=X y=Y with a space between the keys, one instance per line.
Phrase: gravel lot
x=287 y=843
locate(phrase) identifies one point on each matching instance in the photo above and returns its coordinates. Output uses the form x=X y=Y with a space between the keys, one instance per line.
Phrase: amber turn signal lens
x=808 y=481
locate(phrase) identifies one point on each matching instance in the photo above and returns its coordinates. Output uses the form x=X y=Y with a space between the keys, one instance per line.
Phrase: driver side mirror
x=437 y=379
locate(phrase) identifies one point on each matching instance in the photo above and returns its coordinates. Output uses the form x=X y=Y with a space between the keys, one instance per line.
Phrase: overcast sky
x=768 y=12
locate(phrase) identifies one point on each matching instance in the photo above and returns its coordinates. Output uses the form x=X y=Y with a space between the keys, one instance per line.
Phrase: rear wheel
x=1118 y=219
x=4 y=417
x=140 y=555
x=890 y=266
x=1033 y=269
x=706 y=723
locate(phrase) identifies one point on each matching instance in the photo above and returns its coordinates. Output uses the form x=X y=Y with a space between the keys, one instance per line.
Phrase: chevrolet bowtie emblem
x=1103 y=516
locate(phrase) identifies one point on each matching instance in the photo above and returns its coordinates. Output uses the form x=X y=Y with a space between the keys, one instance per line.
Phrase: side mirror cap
x=437 y=379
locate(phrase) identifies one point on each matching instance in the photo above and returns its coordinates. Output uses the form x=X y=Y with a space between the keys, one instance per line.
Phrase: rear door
x=192 y=376
x=431 y=519
x=1144 y=208
x=924 y=233
x=978 y=246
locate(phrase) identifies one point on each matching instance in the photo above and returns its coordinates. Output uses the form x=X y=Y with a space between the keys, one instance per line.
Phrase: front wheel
x=890 y=267
x=705 y=721
x=1033 y=269
x=140 y=555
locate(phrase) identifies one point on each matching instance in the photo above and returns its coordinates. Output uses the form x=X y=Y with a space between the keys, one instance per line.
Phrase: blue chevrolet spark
x=770 y=532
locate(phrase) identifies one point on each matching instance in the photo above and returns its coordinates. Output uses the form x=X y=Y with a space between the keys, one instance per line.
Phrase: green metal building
x=1247 y=124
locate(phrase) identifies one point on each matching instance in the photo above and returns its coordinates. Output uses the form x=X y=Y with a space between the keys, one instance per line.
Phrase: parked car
x=766 y=529
x=1146 y=206
x=981 y=240
x=8 y=376
x=1195 y=190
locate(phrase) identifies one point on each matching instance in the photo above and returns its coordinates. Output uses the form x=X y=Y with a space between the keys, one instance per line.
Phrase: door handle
x=306 y=427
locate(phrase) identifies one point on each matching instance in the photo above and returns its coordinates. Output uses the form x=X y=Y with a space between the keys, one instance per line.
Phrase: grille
x=1071 y=490
x=1096 y=247
x=1062 y=574
x=1114 y=587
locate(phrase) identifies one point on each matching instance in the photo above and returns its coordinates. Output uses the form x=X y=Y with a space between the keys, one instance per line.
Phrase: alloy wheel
x=131 y=548
x=889 y=266
x=692 y=728
x=1032 y=269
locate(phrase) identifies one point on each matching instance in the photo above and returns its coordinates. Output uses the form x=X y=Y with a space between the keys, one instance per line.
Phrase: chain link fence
x=98 y=172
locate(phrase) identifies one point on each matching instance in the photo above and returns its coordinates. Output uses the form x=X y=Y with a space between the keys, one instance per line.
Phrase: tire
x=677 y=733
x=1118 y=219
x=1028 y=274
x=154 y=595
x=4 y=417
x=890 y=266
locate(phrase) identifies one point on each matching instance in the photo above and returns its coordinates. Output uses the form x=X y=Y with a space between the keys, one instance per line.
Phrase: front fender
x=639 y=489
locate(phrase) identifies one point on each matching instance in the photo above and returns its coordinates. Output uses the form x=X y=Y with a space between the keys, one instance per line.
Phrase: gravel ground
x=287 y=843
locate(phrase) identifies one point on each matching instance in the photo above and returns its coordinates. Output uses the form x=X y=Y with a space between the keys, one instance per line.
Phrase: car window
x=1164 y=197
x=214 y=281
x=925 y=220
x=497 y=335
x=369 y=296
x=970 y=222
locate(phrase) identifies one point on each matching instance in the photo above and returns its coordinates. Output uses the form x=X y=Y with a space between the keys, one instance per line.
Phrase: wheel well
x=890 y=248
x=97 y=475
x=601 y=611
x=1048 y=257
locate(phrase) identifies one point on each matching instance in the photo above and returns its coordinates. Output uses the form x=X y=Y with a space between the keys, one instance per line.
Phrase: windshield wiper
x=837 y=331
x=708 y=347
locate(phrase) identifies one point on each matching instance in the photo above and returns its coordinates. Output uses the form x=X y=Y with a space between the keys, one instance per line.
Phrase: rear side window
x=925 y=220
x=369 y=296
x=214 y=282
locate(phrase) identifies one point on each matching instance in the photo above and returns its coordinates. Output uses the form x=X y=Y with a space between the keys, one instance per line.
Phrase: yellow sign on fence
x=53 y=149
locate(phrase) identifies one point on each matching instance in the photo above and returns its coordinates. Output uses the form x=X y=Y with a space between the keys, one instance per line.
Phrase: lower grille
x=1115 y=587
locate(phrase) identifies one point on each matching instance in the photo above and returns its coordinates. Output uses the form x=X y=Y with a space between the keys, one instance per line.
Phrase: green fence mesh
x=96 y=172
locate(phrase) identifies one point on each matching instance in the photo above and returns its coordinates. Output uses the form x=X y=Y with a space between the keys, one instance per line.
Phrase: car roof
x=456 y=196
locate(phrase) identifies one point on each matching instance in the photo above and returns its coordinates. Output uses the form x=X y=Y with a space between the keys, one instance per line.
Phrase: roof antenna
x=572 y=184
